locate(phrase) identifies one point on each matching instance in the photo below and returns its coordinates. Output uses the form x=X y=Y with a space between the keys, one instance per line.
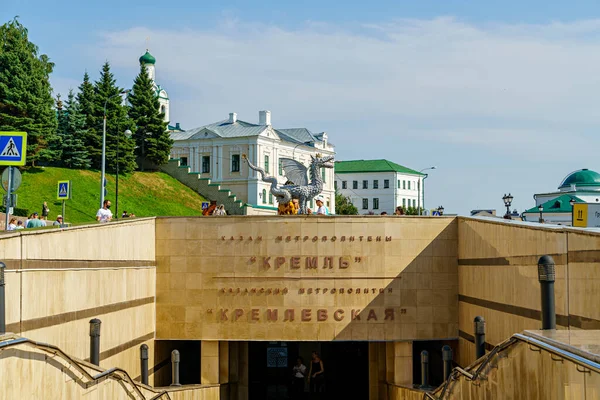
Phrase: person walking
x=45 y=211
x=35 y=222
x=104 y=214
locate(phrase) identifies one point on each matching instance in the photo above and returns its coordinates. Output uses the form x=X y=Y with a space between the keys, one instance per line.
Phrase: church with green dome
x=581 y=186
x=148 y=61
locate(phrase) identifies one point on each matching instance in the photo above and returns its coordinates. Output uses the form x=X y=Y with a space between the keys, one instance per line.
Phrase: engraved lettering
x=372 y=315
x=324 y=239
x=349 y=291
x=311 y=262
x=297 y=238
x=333 y=290
x=265 y=263
x=342 y=291
x=259 y=238
x=369 y=238
x=344 y=263
x=388 y=238
x=343 y=239
x=333 y=238
x=271 y=315
x=238 y=313
x=254 y=315
x=284 y=291
x=325 y=290
x=315 y=238
x=305 y=238
x=306 y=314
x=389 y=290
x=338 y=315
x=222 y=237
x=279 y=261
x=301 y=291
x=288 y=238
x=279 y=238
x=328 y=262
x=321 y=315
x=309 y=291
x=381 y=290
x=295 y=262
x=232 y=238
x=355 y=315
x=361 y=238
x=289 y=315
x=373 y=290
x=351 y=239
x=224 y=315
x=317 y=290
x=389 y=314
x=357 y=291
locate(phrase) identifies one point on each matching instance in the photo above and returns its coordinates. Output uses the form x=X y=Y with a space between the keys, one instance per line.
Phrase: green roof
x=346 y=167
x=147 y=58
x=560 y=204
x=583 y=177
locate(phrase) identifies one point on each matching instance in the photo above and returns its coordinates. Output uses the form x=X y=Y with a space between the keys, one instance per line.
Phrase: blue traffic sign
x=64 y=190
x=13 y=146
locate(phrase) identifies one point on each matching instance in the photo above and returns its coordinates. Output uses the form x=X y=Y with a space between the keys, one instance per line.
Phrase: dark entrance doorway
x=271 y=369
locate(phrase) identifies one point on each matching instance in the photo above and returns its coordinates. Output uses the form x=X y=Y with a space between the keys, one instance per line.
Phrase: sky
x=499 y=96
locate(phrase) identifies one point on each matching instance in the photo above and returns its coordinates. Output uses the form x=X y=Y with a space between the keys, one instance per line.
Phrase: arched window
x=264 y=196
x=163 y=109
x=270 y=198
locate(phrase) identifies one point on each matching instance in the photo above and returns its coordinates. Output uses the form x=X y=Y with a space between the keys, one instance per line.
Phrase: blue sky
x=500 y=97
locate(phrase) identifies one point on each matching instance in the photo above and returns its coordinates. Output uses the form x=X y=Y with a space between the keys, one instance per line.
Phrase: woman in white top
x=299 y=374
x=12 y=225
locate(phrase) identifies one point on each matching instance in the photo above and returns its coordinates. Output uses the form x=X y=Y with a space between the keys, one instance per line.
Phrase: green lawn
x=143 y=193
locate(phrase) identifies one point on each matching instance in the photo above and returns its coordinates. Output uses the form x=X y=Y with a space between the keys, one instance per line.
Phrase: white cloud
x=434 y=82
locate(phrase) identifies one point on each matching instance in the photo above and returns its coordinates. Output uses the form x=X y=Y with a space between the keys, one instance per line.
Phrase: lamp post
x=127 y=134
x=507 y=202
x=103 y=174
x=441 y=210
x=572 y=203
x=541 y=209
x=419 y=189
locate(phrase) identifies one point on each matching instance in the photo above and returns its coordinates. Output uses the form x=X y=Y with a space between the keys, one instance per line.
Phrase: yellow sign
x=580 y=215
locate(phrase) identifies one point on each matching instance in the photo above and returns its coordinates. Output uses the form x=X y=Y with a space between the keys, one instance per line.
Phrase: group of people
x=315 y=377
x=34 y=220
x=293 y=207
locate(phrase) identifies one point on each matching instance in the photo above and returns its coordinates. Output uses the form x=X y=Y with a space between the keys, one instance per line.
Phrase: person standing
x=104 y=214
x=316 y=379
x=299 y=374
x=321 y=209
x=45 y=210
x=35 y=222
x=12 y=225
x=59 y=221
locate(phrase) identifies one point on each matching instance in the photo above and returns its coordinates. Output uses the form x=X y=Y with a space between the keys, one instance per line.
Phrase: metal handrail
x=115 y=373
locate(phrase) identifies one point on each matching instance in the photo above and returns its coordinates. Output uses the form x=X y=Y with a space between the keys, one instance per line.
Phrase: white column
x=213 y=167
x=251 y=159
x=222 y=163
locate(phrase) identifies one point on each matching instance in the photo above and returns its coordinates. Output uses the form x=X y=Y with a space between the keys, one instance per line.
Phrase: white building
x=581 y=186
x=215 y=151
x=148 y=61
x=379 y=185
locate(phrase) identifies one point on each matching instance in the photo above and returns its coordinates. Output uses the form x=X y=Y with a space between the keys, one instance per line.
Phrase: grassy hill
x=143 y=193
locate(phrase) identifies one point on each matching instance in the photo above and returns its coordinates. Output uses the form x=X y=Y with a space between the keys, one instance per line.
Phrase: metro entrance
x=346 y=366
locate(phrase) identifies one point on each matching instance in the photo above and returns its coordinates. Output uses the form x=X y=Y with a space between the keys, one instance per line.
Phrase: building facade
x=148 y=61
x=379 y=185
x=581 y=186
x=216 y=151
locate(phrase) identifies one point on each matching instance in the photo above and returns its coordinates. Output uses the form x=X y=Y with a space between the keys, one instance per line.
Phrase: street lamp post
x=541 y=209
x=103 y=174
x=572 y=203
x=507 y=202
x=419 y=189
x=127 y=134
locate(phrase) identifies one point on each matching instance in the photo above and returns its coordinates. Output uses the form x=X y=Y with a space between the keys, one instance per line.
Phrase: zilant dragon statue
x=296 y=172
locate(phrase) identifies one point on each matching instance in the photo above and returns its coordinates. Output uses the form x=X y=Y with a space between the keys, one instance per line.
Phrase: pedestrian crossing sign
x=13 y=146
x=64 y=190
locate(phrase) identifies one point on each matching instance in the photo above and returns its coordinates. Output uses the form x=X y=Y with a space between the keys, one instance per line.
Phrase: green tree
x=151 y=135
x=343 y=205
x=74 y=152
x=53 y=153
x=85 y=100
x=106 y=92
x=26 y=102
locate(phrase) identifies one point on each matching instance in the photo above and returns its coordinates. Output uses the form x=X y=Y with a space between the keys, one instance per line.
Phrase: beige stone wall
x=408 y=267
x=497 y=264
x=60 y=279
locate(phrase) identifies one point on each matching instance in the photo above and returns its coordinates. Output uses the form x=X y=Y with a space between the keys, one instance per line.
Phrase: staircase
x=203 y=186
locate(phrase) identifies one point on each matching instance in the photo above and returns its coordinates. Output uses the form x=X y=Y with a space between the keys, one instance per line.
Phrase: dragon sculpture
x=296 y=172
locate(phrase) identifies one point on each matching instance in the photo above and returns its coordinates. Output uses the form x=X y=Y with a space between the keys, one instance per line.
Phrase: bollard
x=144 y=363
x=447 y=358
x=479 y=337
x=546 y=276
x=424 y=369
x=2 y=300
x=95 y=341
x=175 y=368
